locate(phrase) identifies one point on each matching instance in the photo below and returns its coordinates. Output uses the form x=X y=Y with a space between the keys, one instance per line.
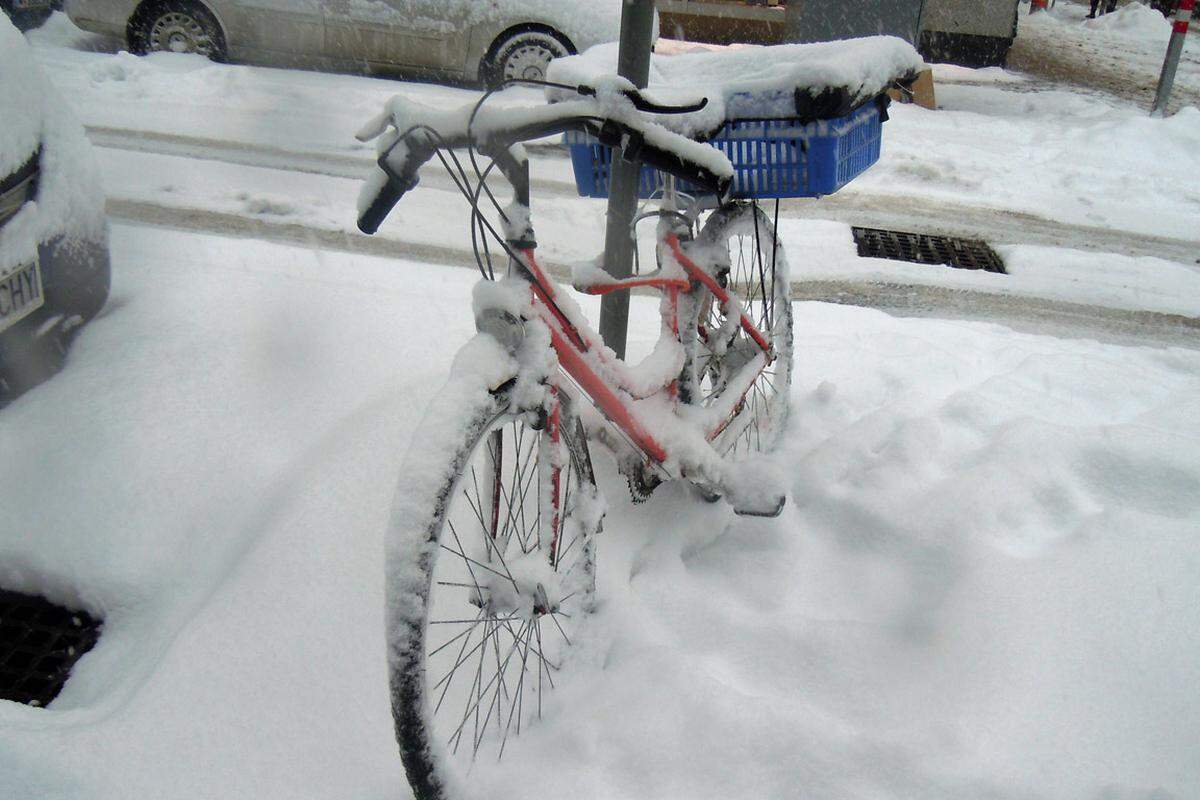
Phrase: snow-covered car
x=26 y=14
x=467 y=39
x=54 y=263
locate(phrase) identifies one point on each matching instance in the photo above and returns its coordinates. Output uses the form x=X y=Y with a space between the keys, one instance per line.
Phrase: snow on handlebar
x=409 y=133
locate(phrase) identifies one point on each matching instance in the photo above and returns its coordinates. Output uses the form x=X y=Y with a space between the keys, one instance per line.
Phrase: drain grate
x=924 y=248
x=39 y=644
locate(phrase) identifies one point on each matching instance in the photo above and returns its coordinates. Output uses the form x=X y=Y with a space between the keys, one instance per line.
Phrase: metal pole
x=1167 y=79
x=633 y=63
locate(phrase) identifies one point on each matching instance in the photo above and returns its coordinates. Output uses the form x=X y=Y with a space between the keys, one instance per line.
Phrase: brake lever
x=648 y=106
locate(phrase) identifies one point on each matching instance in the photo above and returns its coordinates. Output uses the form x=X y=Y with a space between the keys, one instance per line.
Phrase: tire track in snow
x=997 y=226
x=1058 y=318
x=1037 y=315
x=252 y=154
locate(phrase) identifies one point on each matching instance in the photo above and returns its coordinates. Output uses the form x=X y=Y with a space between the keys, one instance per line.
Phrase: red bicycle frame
x=576 y=347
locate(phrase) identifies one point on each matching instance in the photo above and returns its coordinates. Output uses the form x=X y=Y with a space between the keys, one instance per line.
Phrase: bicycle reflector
x=508 y=328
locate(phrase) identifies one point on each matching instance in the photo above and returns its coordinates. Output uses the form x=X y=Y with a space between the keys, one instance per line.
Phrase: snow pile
x=752 y=81
x=70 y=200
x=954 y=73
x=674 y=47
x=983 y=587
x=21 y=89
x=60 y=30
x=1133 y=20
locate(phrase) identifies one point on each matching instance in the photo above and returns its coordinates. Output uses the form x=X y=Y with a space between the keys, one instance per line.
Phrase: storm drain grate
x=924 y=248
x=39 y=644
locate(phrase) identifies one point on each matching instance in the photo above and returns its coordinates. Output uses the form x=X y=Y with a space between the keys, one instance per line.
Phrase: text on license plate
x=20 y=293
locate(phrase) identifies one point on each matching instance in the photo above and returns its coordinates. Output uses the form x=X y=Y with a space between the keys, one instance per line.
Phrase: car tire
x=522 y=54
x=176 y=26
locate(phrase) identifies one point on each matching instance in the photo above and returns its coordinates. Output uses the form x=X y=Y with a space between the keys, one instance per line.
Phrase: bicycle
x=491 y=550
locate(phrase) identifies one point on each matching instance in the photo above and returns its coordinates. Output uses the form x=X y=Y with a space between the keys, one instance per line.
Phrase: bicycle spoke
x=479 y=564
x=457 y=636
x=516 y=699
x=516 y=504
x=449 y=675
x=481 y=690
x=481 y=657
x=463 y=657
x=554 y=618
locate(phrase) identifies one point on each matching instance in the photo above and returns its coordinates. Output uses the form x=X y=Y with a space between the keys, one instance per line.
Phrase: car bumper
x=76 y=276
x=31 y=17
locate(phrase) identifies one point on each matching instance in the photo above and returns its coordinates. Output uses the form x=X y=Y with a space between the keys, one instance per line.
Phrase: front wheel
x=740 y=239
x=491 y=574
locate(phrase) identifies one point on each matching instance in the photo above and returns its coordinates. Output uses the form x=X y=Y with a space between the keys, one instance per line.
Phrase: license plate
x=20 y=293
x=21 y=5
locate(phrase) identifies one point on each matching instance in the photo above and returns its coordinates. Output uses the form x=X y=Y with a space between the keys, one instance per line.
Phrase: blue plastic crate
x=771 y=158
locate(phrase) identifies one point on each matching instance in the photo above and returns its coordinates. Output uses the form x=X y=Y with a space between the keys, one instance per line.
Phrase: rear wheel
x=757 y=272
x=481 y=623
x=177 y=26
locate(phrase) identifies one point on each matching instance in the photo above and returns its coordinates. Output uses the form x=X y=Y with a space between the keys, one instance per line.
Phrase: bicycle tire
x=758 y=273
x=447 y=578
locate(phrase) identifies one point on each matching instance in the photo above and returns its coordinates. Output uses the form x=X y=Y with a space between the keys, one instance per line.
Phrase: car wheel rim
x=528 y=62
x=180 y=33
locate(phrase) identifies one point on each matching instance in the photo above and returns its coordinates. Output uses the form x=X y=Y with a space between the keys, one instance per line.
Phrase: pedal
x=770 y=507
x=754 y=489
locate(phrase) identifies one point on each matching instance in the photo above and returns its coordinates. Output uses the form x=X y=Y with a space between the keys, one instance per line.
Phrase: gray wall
x=974 y=17
x=824 y=20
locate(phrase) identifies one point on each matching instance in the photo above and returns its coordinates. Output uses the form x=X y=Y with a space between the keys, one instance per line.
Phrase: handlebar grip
x=690 y=171
x=370 y=220
x=633 y=147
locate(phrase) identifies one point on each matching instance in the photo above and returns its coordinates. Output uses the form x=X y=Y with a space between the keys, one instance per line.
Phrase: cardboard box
x=921 y=92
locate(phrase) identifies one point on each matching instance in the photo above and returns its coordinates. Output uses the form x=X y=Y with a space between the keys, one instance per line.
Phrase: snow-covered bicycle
x=491 y=550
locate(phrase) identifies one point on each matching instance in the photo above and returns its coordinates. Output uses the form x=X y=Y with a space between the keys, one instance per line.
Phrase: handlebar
x=401 y=160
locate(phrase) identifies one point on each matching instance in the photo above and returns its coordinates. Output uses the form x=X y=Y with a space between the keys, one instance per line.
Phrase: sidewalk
x=1119 y=54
